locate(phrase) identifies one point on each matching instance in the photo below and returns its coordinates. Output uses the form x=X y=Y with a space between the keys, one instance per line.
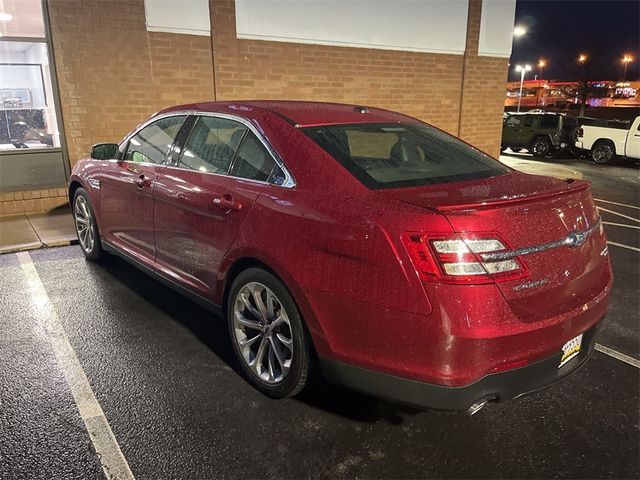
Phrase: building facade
x=106 y=65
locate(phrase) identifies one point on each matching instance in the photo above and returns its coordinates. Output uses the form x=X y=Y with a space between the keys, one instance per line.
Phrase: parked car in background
x=540 y=133
x=606 y=140
x=406 y=263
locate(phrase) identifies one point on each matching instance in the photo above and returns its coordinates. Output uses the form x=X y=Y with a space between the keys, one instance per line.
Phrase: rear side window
x=152 y=143
x=212 y=145
x=550 y=121
x=528 y=121
x=403 y=155
x=253 y=160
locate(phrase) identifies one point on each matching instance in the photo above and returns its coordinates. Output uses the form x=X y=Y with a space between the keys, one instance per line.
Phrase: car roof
x=299 y=113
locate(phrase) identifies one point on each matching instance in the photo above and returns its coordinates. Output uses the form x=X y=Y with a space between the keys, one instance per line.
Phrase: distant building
x=549 y=93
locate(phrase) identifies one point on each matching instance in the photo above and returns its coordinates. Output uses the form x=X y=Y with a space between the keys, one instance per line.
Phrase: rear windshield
x=400 y=155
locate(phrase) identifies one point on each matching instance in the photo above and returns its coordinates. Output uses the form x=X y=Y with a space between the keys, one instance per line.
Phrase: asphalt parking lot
x=163 y=379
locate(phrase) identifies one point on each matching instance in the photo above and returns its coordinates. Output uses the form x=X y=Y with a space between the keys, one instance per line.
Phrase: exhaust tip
x=479 y=405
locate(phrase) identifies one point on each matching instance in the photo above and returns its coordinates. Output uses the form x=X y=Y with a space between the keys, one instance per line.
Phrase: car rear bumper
x=495 y=387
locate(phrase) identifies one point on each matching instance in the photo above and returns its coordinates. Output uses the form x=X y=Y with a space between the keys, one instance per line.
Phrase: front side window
x=212 y=145
x=253 y=160
x=152 y=143
x=403 y=154
x=528 y=121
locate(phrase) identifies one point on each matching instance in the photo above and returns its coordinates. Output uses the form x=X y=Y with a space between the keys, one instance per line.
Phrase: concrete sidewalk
x=37 y=230
x=527 y=164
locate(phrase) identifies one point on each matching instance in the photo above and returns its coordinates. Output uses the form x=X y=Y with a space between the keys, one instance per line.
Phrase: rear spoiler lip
x=575 y=186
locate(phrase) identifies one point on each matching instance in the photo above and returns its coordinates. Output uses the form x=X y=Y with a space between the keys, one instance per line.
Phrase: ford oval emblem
x=576 y=239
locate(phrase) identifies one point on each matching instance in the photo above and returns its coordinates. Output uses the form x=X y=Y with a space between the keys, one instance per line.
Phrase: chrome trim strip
x=573 y=239
x=262 y=182
x=289 y=181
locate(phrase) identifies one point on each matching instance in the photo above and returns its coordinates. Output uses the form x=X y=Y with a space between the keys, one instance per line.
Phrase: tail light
x=459 y=259
x=581 y=132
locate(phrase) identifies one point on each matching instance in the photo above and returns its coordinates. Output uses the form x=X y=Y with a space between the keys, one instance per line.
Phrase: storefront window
x=27 y=109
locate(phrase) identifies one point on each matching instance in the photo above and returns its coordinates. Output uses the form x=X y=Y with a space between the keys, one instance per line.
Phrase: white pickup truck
x=606 y=143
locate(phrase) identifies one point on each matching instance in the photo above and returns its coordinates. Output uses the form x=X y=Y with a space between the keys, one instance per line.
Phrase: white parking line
x=616 y=203
x=618 y=214
x=113 y=463
x=618 y=356
x=635 y=249
x=621 y=225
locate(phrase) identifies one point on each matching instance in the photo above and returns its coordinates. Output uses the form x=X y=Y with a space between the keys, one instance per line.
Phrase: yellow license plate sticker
x=570 y=349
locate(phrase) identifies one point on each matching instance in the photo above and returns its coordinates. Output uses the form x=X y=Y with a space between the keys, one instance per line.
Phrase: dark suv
x=540 y=133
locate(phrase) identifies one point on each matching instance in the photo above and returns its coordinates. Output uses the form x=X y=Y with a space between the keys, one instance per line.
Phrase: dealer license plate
x=570 y=349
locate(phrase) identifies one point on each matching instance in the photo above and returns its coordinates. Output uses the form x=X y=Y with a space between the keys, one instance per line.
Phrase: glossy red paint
x=338 y=247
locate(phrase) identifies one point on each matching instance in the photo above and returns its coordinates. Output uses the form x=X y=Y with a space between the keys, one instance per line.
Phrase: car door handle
x=227 y=203
x=142 y=182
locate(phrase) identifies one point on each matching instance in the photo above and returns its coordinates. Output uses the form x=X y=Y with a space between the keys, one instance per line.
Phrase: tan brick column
x=483 y=90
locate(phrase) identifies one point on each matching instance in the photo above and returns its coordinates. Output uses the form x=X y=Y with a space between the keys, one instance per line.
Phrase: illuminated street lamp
x=519 y=31
x=541 y=64
x=626 y=59
x=522 y=70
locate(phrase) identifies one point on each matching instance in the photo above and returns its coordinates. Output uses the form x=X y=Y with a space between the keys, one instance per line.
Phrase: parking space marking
x=618 y=214
x=621 y=225
x=616 y=203
x=618 y=356
x=113 y=462
x=621 y=245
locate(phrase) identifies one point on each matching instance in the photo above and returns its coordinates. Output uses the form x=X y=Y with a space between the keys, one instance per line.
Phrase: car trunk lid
x=552 y=224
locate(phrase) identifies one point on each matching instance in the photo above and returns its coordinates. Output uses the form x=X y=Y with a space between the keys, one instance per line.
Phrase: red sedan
x=405 y=263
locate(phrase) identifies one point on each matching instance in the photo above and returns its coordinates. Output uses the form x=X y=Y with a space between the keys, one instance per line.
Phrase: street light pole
x=583 y=85
x=541 y=64
x=522 y=70
x=626 y=59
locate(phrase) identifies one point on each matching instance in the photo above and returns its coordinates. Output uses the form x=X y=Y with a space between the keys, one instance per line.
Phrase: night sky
x=560 y=30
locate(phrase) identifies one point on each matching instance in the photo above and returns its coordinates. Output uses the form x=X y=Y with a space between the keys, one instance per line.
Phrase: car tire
x=268 y=335
x=603 y=152
x=515 y=149
x=540 y=147
x=86 y=226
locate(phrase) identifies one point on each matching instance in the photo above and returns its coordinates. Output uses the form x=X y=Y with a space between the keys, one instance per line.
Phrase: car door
x=203 y=198
x=527 y=130
x=126 y=192
x=633 y=141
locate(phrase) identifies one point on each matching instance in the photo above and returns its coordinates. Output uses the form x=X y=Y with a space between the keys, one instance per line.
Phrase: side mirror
x=105 y=151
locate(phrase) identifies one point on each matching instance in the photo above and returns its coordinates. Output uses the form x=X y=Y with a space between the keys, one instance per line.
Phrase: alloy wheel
x=540 y=148
x=602 y=153
x=84 y=223
x=262 y=331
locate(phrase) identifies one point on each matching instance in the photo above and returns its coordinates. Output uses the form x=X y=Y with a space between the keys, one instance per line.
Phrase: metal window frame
x=289 y=181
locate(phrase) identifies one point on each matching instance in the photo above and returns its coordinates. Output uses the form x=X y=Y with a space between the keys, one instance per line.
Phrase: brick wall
x=181 y=68
x=423 y=85
x=32 y=200
x=483 y=91
x=113 y=74
x=104 y=69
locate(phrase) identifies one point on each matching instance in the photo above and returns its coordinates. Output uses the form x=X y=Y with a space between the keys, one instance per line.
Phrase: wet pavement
x=163 y=372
